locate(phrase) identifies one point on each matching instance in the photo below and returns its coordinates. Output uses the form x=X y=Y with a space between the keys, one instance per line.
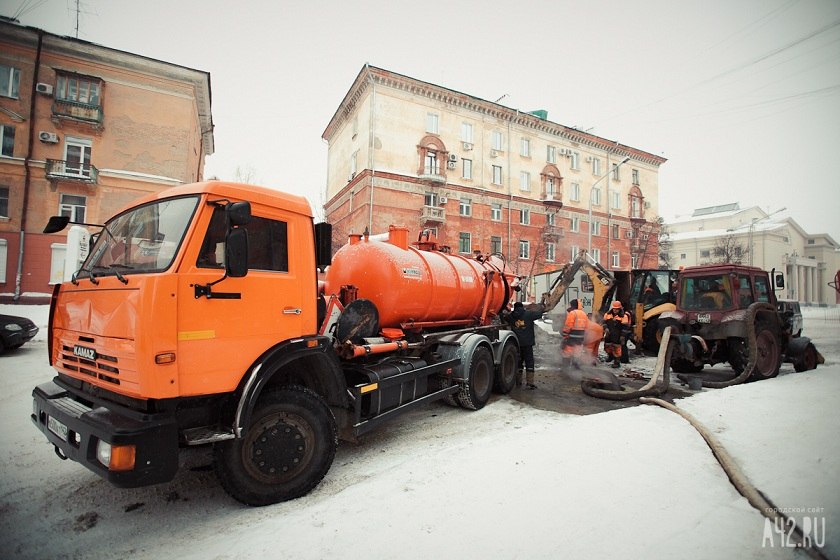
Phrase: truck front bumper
x=75 y=426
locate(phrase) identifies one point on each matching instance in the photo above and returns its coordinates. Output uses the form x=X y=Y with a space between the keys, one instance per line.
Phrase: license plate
x=704 y=318
x=57 y=428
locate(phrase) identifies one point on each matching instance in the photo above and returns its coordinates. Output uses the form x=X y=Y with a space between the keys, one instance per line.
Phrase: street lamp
x=607 y=174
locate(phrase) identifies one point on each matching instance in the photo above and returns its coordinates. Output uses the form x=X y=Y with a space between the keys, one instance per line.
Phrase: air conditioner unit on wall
x=50 y=137
x=450 y=165
x=494 y=153
x=467 y=146
x=443 y=200
x=46 y=89
x=647 y=204
x=453 y=158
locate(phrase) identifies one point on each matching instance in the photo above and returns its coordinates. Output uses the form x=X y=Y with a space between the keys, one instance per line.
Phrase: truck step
x=200 y=436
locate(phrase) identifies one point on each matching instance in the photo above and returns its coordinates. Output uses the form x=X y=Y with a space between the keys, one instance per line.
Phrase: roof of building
x=533 y=118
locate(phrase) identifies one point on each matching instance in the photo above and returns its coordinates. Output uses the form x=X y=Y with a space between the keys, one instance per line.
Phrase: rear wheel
x=475 y=393
x=287 y=449
x=768 y=355
x=508 y=369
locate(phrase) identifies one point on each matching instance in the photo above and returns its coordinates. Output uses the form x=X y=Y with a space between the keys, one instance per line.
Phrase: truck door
x=220 y=336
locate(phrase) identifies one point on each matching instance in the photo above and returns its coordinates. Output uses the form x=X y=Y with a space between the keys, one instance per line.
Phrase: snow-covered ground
x=508 y=481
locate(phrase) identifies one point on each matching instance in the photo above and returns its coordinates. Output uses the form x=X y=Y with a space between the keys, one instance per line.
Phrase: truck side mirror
x=236 y=252
x=238 y=213
x=779 y=280
x=323 y=245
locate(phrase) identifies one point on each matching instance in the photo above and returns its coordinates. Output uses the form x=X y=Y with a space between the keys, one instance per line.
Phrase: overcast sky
x=741 y=96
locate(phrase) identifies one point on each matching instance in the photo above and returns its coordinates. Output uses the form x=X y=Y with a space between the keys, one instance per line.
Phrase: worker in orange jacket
x=592 y=339
x=574 y=331
x=616 y=331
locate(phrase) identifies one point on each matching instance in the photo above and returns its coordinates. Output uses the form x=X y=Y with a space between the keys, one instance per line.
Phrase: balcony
x=433 y=214
x=553 y=232
x=64 y=109
x=552 y=199
x=61 y=170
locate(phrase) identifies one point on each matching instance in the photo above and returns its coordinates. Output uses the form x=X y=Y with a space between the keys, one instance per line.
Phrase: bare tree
x=728 y=250
x=665 y=244
x=246 y=175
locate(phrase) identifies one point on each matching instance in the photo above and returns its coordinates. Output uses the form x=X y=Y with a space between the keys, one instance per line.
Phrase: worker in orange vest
x=592 y=339
x=616 y=331
x=574 y=330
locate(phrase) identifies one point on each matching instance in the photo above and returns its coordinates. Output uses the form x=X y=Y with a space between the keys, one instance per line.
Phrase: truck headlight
x=115 y=457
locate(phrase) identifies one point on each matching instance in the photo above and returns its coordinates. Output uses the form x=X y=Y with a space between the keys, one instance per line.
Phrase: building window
x=635 y=207
x=616 y=172
x=549 y=186
x=549 y=252
x=467 y=132
x=467 y=168
x=496 y=140
x=465 y=208
x=596 y=255
x=705 y=254
x=595 y=227
x=432 y=123
x=549 y=219
x=525 y=181
x=615 y=231
x=596 y=196
x=430 y=231
x=615 y=200
x=616 y=260
x=525 y=217
x=635 y=176
x=634 y=261
x=574 y=251
x=495 y=245
x=574 y=192
x=9 y=81
x=524 y=249
x=73 y=207
x=78 y=89
x=464 y=242
x=525 y=148
x=4 y=202
x=8 y=133
x=431 y=165
x=77 y=157
x=496 y=212
x=430 y=199
x=574 y=224
x=596 y=166
x=497 y=175
x=551 y=154
x=575 y=160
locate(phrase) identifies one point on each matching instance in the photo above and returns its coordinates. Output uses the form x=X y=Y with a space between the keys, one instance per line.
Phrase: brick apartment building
x=86 y=129
x=480 y=175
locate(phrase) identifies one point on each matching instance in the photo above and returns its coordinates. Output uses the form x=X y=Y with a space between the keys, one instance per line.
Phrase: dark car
x=14 y=331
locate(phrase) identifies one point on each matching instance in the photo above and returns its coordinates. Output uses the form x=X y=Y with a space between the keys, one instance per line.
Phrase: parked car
x=789 y=308
x=15 y=331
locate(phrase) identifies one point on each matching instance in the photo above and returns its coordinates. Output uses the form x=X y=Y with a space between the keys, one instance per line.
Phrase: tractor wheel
x=286 y=450
x=768 y=355
x=739 y=354
x=508 y=369
x=476 y=391
x=808 y=360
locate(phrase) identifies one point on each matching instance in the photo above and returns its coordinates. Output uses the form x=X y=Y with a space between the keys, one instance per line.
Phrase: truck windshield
x=143 y=239
x=706 y=293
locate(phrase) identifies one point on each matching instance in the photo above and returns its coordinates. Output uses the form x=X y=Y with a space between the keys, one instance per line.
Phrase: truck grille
x=104 y=367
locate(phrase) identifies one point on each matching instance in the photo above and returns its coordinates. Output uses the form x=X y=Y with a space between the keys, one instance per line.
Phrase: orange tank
x=416 y=286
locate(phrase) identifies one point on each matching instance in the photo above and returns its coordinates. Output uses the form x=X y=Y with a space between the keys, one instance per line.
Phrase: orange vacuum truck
x=198 y=318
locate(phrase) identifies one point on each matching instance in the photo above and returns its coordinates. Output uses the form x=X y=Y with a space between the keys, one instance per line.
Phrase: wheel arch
x=314 y=366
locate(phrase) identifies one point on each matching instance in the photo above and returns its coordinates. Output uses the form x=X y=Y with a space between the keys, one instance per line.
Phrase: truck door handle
x=290 y=311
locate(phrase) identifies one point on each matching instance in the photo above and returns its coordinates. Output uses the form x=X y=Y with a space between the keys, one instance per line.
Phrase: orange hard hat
x=616 y=304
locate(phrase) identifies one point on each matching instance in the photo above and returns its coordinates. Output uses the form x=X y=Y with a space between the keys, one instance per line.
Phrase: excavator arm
x=602 y=281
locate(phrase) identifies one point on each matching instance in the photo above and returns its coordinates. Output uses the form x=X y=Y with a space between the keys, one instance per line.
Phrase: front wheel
x=287 y=449
x=808 y=360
